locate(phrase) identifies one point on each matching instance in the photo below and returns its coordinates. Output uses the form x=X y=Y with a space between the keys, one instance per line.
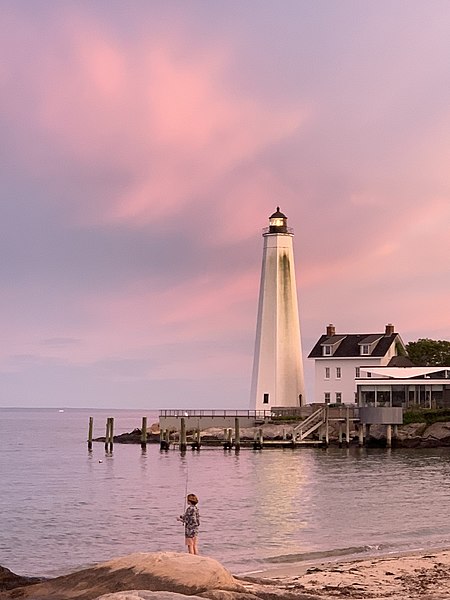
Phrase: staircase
x=309 y=425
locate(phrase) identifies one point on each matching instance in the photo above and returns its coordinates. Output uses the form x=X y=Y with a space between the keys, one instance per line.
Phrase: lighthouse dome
x=278 y=222
x=278 y=214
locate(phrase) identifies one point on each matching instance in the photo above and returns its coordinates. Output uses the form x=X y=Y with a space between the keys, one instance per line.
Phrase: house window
x=369 y=374
x=327 y=350
x=327 y=372
x=365 y=349
x=357 y=372
x=327 y=397
x=338 y=397
x=338 y=372
x=266 y=399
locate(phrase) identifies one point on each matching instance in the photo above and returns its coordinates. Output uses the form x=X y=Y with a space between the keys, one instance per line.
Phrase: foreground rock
x=157 y=571
x=9 y=580
x=414 y=435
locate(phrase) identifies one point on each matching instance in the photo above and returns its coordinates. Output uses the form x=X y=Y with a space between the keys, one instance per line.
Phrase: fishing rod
x=186 y=487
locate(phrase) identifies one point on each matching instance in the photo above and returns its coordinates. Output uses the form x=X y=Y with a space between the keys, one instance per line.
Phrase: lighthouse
x=277 y=379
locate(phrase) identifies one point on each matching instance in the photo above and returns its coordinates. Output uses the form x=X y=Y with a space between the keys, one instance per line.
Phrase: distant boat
x=60 y=410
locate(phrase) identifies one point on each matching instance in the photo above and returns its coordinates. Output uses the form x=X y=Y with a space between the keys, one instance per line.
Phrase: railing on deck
x=250 y=414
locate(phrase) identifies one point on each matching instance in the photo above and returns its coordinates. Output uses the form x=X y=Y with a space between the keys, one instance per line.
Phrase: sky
x=144 y=144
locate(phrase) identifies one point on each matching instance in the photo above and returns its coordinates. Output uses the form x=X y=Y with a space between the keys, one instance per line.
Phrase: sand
x=403 y=577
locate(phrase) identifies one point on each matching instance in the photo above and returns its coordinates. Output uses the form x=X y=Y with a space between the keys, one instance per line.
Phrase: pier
x=306 y=426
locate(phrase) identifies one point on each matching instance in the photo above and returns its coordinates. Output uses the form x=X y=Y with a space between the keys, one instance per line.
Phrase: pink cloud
x=165 y=118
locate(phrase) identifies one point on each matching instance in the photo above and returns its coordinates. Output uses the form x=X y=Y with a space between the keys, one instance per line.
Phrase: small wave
x=321 y=554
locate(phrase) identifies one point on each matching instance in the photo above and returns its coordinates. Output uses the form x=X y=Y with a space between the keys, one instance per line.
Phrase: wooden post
x=340 y=434
x=394 y=432
x=327 y=428
x=228 y=439
x=258 y=440
x=347 y=427
x=111 y=433
x=183 y=444
x=237 y=435
x=107 y=435
x=199 y=438
x=367 y=427
x=144 y=433
x=164 y=441
x=388 y=436
x=261 y=438
x=361 y=435
x=90 y=432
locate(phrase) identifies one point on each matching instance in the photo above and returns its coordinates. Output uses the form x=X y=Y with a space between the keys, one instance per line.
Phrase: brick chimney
x=389 y=329
x=331 y=330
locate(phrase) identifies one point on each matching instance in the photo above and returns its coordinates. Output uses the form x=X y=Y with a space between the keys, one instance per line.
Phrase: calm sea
x=62 y=508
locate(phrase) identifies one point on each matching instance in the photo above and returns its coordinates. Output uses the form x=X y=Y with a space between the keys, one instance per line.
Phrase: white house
x=339 y=359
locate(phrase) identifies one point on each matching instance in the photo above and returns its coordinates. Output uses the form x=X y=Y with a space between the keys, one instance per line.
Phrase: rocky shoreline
x=179 y=576
x=414 y=435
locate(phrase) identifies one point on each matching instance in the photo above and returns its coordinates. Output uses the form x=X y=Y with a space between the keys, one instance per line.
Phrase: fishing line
x=186 y=488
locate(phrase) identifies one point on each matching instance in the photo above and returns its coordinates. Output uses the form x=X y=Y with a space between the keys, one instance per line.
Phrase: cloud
x=143 y=151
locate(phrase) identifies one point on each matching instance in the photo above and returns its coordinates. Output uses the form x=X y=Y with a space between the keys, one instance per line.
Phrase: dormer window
x=327 y=351
x=365 y=349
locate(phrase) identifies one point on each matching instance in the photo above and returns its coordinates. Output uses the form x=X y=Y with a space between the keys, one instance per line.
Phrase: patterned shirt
x=191 y=520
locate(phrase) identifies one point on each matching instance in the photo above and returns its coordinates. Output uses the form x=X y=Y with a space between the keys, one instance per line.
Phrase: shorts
x=189 y=541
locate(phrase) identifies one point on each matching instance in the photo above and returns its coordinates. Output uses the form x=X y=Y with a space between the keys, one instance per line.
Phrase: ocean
x=63 y=508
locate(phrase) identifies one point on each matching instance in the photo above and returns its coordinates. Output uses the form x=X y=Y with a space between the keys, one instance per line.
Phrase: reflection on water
x=64 y=507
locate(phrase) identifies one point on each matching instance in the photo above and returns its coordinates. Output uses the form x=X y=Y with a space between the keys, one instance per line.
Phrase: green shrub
x=426 y=415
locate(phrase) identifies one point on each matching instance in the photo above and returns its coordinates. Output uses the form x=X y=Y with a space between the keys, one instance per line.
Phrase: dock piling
x=183 y=443
x=347 y=427
x=109 y=435
x=360 y=435
x=198 y=439
x=228 y=436
x=164 y=442
x=388 y=436
x=327 y=428
x=90 y=432
x=237 y=435
x=144 y=433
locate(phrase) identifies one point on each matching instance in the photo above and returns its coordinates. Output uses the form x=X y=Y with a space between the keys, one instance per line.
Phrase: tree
x=429 y=353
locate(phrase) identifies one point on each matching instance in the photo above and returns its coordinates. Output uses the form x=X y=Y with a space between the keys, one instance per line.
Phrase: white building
x=339 y=359
x=277 y=379
x=423 y=387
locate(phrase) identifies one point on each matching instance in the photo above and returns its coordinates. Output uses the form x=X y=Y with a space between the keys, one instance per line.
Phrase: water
x=62 y=509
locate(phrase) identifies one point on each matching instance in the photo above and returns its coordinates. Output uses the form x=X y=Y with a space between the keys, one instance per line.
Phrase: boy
x=191 y=520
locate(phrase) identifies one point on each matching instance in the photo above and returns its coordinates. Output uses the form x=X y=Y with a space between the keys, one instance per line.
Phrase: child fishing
x=191 y=520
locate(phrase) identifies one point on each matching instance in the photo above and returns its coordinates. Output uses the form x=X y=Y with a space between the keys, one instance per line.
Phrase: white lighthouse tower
x=278 y=365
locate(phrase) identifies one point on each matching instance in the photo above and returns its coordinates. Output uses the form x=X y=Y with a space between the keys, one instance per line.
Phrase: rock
x=146 y=595
x=9 y=580
x=227 y=595
x=156 y=571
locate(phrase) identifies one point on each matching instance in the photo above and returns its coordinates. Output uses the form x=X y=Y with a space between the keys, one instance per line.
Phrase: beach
x=403 y=577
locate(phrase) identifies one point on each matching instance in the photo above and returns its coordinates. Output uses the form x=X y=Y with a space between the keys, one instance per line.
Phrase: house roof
x=370 y=339
x=350 y=345
x=333 y=339
x=400 y=361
